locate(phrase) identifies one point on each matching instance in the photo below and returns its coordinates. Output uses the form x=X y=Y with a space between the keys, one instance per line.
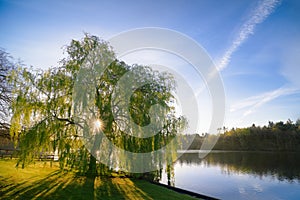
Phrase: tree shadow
x=59 y=185
x=119 y=188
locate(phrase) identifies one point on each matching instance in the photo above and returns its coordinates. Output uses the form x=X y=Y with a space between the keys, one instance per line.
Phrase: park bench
x=7 y=152
x=45 y=157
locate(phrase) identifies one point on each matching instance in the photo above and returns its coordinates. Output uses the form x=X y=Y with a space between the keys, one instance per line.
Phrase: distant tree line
x=277 y=136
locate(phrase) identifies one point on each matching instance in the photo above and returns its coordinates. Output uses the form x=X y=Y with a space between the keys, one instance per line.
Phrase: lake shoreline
x=232 y=151
x=183 y=191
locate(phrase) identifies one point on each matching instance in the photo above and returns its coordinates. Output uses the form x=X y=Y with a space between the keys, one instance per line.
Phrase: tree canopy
x=47 y=110
x=6 y=66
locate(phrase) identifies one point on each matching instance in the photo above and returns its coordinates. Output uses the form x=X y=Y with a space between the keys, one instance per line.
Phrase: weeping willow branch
x=70 y=122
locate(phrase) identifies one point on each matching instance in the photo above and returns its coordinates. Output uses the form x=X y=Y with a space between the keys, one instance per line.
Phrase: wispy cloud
x=259 y=14
x=251 y=104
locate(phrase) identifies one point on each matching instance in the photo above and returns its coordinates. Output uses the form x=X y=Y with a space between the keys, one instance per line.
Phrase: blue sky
x=255 y=44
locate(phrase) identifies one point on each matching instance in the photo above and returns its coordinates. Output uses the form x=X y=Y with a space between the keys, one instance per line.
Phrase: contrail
x=259 y=14
x=254 y=102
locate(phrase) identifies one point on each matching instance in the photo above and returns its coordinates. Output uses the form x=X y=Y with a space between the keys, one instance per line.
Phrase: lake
x=239 y=175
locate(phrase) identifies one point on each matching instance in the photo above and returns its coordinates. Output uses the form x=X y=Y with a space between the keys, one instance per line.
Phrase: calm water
x=240 y=175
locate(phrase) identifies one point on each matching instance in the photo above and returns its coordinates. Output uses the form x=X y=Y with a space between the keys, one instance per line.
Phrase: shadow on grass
x=42 y=182
x=58 y=185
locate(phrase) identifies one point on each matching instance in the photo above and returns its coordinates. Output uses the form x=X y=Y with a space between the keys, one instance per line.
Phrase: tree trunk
x=92 y=171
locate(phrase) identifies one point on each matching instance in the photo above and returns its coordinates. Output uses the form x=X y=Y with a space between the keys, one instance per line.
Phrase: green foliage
x=43 y=108
x=277 y=136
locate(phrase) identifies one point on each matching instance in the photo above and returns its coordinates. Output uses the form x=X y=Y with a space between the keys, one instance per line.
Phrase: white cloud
x=251 y=104
x=262 y=11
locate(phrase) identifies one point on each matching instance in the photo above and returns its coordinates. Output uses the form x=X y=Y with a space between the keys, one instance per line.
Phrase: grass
x=40 y=181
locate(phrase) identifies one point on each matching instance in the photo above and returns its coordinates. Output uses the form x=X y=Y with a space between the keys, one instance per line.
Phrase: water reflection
x=239 y=175
x=282 y=166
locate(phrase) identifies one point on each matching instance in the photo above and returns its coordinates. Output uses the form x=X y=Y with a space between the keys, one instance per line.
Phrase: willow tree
x=46 y=114
x=128 y=99
x=42 y=108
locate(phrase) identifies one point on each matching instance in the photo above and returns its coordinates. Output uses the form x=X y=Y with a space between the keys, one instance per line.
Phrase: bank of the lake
x=41 y=181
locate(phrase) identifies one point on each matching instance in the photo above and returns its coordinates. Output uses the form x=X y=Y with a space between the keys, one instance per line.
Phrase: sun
x=98 y=124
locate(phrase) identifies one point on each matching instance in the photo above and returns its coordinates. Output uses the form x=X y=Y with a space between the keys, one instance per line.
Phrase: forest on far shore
x=277 y=136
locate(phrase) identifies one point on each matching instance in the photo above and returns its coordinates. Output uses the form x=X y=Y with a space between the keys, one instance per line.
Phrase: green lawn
x=40 y=181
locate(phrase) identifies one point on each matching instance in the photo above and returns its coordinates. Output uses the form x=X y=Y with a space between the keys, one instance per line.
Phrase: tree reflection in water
x=282 y=166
